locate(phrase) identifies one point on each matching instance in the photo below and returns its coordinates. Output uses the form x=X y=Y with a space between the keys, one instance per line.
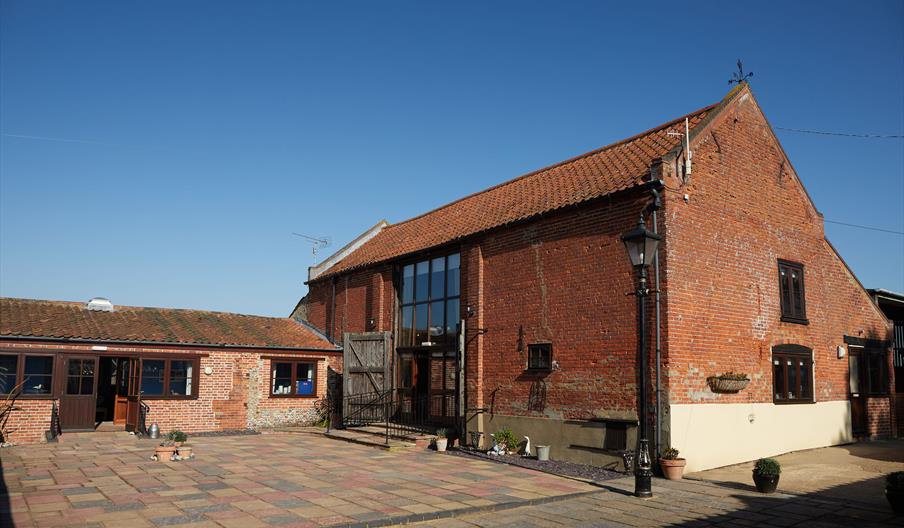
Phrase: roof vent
x=100 y=304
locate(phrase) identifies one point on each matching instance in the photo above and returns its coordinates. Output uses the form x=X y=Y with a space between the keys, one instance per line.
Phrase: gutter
x=163 y=343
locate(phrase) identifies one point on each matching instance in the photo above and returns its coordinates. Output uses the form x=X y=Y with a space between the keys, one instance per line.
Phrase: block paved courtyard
x=685 y=503
x=107 y=480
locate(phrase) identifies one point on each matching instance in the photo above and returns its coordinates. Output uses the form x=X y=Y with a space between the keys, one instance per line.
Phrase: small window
x=152 y=377
x=792 y=374
x=181 y=373
x=293 y=378
x=539 y=356
x=791 y=287
x=169 y=378
x=876 y=379
x=32 y=375
x=80 y=376
x=38 y=375
x=9 y=368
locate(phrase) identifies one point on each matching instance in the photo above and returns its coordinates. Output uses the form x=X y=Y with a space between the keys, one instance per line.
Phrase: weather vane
x=739 y=76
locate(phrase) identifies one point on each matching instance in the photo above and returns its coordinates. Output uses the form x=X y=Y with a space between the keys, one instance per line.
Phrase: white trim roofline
x=318 y=269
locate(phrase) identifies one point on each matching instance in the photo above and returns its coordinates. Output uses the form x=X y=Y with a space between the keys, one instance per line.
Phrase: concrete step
x=422 y=440
x=369 y=439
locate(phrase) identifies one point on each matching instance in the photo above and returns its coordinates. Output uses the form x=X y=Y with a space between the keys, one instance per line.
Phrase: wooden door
x=121 y=396
x=133 y=395
x=443 y=383
x=78 y=399
x=856 y=386
x=366 y=368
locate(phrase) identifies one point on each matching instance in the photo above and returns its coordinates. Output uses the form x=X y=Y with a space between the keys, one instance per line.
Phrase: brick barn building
x=508 y=307
x=78 y=366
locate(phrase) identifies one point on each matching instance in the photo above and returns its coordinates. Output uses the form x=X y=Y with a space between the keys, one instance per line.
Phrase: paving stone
x=178 y=519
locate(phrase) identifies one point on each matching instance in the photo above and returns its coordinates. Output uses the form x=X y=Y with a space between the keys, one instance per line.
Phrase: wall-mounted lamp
x=469 y=311
x=841 y=351
x=371 y=324
x=208 y=370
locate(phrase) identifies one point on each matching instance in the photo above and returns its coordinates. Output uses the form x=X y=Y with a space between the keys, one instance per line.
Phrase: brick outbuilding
x=77 y=366
x=508 y=307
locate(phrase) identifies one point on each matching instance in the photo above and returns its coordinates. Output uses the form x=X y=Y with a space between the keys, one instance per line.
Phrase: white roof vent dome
x=100 y=304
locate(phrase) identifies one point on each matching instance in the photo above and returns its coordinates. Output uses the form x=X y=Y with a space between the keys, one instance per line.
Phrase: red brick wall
x=361 y=296
x=746 y=209
x=234 y=396
x=562 y=280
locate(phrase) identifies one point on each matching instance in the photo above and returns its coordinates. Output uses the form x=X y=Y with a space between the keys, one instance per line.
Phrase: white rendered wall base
x=714 y=435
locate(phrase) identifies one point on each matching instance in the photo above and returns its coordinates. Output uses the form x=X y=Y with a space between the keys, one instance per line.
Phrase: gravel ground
x=555 y=467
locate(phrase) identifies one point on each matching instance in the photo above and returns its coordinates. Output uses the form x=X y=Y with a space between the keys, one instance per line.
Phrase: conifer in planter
x=671 y=464
x=894 y=491
x=766 y=473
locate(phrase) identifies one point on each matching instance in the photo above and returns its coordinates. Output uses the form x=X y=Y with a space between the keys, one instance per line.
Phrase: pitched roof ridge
x=127 y=308
x=558 y=164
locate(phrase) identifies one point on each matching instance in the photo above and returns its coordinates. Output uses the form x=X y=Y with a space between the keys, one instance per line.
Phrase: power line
x=842 y=134
x=866 y=227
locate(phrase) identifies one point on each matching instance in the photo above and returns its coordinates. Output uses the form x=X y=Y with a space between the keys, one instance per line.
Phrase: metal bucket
x=542 y=453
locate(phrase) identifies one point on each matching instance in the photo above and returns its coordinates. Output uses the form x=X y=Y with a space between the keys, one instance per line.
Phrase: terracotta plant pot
x=672 y=469
x=441 y=444
x=185 y=451
x=164 y=452
x=178 y=444
x=765 y=483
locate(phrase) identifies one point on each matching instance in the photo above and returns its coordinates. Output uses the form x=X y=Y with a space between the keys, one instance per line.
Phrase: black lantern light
x=641 y=245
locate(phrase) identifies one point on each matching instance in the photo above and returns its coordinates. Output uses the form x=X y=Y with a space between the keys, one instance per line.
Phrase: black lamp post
x=641 y=245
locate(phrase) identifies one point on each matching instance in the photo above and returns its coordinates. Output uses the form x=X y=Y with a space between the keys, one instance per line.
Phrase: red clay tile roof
x=612 y=168
x=71 y=320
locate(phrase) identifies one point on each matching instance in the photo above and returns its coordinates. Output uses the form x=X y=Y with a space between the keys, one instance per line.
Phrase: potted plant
x=765 y=474
x=506 y=441
x=671 y=464
x=894 y=491
x=441 y=440
x=728 y=382
x=177 y=438
x=165 y=450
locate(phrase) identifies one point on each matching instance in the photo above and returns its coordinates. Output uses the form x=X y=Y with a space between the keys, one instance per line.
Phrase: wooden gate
x=367 y=367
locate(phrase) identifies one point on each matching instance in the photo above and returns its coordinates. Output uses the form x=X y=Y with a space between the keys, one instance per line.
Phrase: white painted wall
x=715 y=435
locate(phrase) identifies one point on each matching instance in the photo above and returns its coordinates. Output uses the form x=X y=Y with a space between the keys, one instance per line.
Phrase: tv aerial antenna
x=316 y=243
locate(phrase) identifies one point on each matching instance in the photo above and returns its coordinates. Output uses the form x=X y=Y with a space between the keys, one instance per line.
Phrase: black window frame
x=406 y=341
x=869 y=356
x=781 y=354
x=535 y=348
x=20 y=373
x=167 y=373
x=790 y=313
x=294 y=362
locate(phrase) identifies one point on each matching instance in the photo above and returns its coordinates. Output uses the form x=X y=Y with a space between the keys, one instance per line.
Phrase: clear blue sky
x=195 y=137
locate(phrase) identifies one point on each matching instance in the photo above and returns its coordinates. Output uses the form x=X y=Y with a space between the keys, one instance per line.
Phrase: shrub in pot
x=442 y=440
x=765 y=474
x=671 y=464
x=177 y=438
x=506 y=437
x=894 y=491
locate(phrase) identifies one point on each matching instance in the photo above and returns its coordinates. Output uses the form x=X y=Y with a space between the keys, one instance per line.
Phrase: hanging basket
x=729 y=385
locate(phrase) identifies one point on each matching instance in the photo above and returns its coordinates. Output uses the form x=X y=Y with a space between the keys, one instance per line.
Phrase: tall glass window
x=429 y=294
